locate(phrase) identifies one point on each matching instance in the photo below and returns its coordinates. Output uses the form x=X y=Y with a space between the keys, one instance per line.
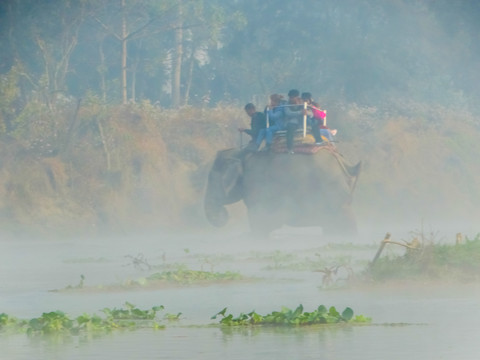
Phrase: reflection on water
x=347 y=342
x=442 y=320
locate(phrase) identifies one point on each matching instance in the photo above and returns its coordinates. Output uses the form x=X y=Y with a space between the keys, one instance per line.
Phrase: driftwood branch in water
x=386 y=240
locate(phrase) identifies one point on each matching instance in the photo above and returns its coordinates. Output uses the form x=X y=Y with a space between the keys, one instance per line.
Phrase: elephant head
x=224 y=186
x=280 y=189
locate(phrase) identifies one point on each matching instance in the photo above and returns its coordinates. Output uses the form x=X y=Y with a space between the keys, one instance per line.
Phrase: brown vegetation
x=144 y=167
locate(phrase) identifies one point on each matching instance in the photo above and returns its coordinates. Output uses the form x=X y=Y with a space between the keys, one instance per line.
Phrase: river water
x=416 y=320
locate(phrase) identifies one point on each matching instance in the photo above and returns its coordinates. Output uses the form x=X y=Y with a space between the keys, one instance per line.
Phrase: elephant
x=283 y=189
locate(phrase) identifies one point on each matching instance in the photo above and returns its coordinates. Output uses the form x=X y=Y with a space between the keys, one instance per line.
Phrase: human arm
x=318 y=113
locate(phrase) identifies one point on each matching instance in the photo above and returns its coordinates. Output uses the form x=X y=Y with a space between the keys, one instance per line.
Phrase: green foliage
x=88 y=322
x=187 y=276
x=9 y=323
x=465 y=255
x=288 y=317
x=9 y=92
x=57 y=322
x=66 y=46
x=280 y=257
x=132 y=313
x=460 y=261
x=79 y=285
x=5 y=319
x=172 y=317
x=49 y=323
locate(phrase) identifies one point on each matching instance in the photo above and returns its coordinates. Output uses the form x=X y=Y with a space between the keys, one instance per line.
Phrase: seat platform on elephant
x=301 y=145
x=304 y=148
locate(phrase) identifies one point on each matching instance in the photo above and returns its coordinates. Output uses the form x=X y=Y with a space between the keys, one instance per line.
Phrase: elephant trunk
x=224 y=186
x=214 y=202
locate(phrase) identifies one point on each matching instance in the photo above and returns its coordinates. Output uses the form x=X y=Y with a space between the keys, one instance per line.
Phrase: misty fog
x=111 y=115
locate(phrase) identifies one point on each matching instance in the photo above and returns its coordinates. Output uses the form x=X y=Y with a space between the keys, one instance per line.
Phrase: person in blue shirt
x=275 y=113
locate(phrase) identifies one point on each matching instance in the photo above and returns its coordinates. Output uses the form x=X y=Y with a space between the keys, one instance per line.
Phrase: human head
x=250 y=109
x=294 y=96
x=275 y=99
x=307 y=97
x=293 y=93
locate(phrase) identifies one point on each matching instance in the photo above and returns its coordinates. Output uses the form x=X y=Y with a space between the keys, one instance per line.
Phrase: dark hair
x=249 y=106
x=307 y=96
x=293 y=93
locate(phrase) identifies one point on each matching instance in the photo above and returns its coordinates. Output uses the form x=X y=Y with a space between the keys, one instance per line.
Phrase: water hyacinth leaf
x=333 y=312
x=256 y=318
x=140 y=314
x=298 y=311
x=347 y=314
x=288 y=317
x=322 y=309
x=172 y=317
x=221 y=312
x=157 y=326
x=35 y=325
x=227 y=320
x=129 y=305
x=3 y=318
x=361 y=319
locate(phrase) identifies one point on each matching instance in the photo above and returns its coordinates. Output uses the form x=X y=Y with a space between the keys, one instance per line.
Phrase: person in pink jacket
x=317 y=120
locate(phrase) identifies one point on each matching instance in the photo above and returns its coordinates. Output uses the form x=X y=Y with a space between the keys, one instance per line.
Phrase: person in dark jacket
x=258 y=122
x=294 y=113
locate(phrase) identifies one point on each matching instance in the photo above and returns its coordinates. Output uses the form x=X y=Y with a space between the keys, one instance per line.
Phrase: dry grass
x=141 y=166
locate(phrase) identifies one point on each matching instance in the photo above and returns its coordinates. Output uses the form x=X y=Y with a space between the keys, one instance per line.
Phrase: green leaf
x=361 y=319
x=298 y=311
x=322 y=309
x=129 y=305
x=333 y=312
x=221 y=312
x=347 y=314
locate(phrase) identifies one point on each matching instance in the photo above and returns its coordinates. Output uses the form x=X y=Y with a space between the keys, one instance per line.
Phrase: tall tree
x=52 y=28
x=177 y=70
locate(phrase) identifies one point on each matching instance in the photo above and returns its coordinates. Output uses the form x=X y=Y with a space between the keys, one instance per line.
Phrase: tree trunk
x=124 y=54
x=177 y=71
x=190 y=78
x=133 y=80
x=102 y=71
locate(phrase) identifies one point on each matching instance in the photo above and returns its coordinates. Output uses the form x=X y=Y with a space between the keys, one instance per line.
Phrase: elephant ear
x=228 y=167
x=231 y=176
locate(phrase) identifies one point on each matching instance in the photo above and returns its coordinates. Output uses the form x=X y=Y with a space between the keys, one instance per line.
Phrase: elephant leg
x=340 y=222
x=216 y=215
x=262 y=222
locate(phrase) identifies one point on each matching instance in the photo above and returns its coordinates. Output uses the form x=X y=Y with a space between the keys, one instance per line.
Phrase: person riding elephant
x=281 y=189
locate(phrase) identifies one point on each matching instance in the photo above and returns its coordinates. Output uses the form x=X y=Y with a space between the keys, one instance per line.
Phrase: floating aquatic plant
x=57 y=322
x=288 y=317
x=187 y=276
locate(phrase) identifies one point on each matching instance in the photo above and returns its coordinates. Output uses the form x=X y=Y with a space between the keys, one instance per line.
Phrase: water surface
x=418 y=320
